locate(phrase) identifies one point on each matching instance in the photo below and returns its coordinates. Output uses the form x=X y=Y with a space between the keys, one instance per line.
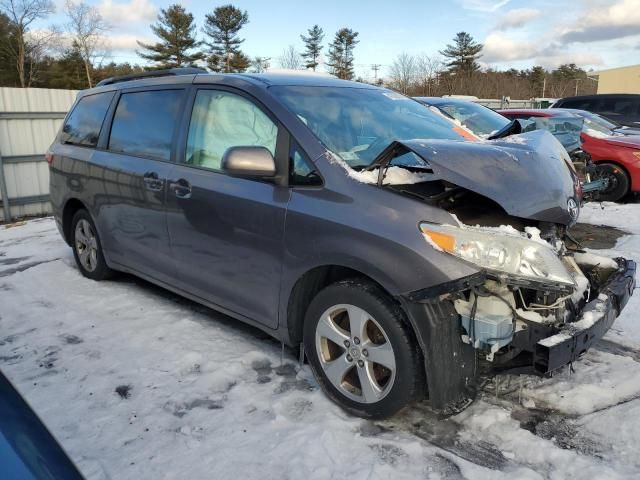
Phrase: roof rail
x=150 y=74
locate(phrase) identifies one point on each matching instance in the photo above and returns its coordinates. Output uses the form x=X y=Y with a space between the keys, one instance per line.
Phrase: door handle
x=181 y=188
x=152 y=182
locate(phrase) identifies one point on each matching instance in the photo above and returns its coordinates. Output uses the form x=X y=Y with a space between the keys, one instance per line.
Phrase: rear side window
x=85 y=121
x=144 y=123
x=620 y=106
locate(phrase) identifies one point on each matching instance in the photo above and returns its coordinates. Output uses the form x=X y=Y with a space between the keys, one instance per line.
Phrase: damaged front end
x=537 y=302
x=540 y=305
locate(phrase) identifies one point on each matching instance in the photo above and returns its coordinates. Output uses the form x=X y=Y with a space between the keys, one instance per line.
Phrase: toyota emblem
x=573 y=209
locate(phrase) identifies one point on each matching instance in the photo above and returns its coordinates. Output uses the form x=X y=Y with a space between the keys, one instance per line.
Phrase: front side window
x=221 y=120
x=144 y=123
x=358 y=123
x=85 y=121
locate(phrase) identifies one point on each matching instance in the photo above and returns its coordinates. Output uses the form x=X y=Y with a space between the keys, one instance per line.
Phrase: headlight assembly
x=500 y=252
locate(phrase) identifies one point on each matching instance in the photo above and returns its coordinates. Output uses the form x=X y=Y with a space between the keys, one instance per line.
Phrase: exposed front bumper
x=452 y=366
x=596 y=318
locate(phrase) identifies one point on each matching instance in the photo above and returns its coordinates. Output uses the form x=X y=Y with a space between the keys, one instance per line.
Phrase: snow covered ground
x=136 y=382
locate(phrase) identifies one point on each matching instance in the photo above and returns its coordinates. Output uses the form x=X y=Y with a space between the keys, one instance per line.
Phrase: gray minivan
x=403 y=258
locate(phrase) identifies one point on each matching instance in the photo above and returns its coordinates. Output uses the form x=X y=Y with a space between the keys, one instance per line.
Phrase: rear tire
x=87 y=249
x=361 y=349
x=619 y=182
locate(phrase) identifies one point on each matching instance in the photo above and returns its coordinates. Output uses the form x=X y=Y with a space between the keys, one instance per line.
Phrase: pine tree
x=537 y=80
x=8 y=72
x=313 y=47
x=341 y=53
x=463 y=54
x=176 y=29
x=222 y=27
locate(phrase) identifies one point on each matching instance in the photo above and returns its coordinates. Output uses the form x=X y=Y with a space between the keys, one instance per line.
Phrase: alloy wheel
x=86 y=245
x=355 y=353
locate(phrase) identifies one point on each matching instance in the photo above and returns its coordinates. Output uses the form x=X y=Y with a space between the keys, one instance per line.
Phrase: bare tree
x=260 y=64
x=403 y=71
x=22 y=14
x=38 y=44
x=290 y=59
x=428 y=70
x=86 y=28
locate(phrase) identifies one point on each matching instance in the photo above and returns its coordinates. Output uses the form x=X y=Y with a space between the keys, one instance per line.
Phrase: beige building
x=619 y=80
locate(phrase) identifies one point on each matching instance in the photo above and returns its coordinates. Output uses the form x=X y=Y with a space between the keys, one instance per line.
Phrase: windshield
x=479 y=119
x=597 y=119
x=358 y=123
x=596 y=129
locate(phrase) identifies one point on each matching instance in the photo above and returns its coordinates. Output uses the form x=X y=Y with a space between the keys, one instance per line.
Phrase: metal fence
x=29 y=121
x=507 y=102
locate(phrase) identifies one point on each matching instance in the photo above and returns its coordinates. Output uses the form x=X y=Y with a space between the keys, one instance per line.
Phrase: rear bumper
x=595 y=320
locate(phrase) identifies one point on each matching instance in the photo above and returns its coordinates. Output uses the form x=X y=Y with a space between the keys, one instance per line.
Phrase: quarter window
x=301 y=170
x=85 y=121
x=221 y=120
x=144 y=123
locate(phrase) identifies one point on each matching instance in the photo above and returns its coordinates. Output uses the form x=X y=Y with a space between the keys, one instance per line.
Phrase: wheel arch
x=71 y=206
x=307 y=286
x=311 y=282
x=632 y=185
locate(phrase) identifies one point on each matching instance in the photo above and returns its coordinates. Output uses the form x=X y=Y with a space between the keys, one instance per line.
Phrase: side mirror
x=249 y=162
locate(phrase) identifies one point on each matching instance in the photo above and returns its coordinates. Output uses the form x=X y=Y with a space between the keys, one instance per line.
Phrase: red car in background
x=617 y=156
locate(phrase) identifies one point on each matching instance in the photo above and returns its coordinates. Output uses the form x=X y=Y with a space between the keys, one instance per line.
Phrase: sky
x=594 y=34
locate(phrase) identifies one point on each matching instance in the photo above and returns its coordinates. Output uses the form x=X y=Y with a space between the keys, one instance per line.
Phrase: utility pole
x=577 y=82
x=375 y=67
x=544 y=86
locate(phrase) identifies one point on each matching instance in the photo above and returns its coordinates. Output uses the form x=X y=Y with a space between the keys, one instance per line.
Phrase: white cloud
x=484 y=5
x=581 y=59
x=501 y=48
x=127 y=41
x=619 y=20
x=133 y=11
x=518 y=18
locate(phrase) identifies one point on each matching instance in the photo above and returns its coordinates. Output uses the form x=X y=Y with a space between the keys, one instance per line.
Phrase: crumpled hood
x=527 y=174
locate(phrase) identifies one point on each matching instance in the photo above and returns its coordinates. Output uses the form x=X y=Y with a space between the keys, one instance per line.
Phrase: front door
x=130 y=188
x=227 y=232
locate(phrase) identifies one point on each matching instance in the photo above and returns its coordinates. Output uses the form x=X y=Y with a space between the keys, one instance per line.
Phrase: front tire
x=361 y=350
x=87 y=249
x=618 y=182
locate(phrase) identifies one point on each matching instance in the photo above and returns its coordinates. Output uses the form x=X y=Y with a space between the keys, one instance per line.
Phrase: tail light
x=49 y=157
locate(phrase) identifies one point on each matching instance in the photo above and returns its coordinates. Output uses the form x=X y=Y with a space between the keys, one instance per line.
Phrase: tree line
x=76 y=54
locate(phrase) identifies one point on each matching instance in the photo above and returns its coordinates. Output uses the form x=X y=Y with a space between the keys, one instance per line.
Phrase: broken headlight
x=499 y=251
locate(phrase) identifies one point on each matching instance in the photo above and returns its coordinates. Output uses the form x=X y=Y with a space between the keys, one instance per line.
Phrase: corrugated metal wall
x=29 y=121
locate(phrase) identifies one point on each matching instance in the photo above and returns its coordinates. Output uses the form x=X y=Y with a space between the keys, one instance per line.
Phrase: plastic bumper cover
x=596 y=318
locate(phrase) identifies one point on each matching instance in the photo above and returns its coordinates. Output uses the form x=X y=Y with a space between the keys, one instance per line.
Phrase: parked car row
x=614 y=149
x=617 y=155
x=622 y=109
x=405 y=258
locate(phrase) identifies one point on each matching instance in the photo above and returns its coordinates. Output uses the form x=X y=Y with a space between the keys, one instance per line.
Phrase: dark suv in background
x=621 y=108
x=337 y=216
